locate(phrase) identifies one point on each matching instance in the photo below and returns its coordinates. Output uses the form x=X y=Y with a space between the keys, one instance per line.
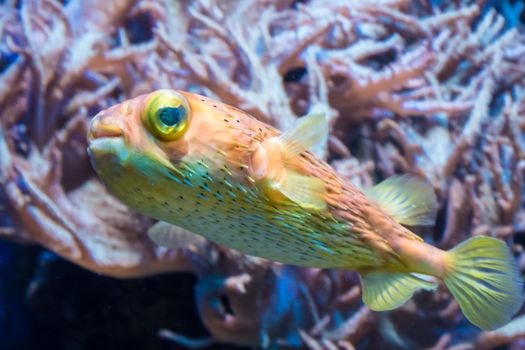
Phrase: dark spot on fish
x=202 y=195
x=237 y=120
x=226 y=120
x=181 y=197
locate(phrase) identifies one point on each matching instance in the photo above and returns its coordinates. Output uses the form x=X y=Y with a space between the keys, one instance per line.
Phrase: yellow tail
x=483 y=277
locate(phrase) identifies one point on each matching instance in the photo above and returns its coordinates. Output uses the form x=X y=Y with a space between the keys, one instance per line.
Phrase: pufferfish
x=196 y=163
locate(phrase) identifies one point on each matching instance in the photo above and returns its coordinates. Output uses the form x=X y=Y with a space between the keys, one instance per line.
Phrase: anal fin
x=383 y=291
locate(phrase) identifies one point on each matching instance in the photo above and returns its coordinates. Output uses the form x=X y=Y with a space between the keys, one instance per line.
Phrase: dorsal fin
x=409 y=200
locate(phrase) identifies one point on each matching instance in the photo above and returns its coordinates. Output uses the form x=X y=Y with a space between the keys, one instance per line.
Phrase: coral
x=432 y=88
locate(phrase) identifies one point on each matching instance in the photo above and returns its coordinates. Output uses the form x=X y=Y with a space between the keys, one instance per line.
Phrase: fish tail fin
x=385 y=290
x=483 y=277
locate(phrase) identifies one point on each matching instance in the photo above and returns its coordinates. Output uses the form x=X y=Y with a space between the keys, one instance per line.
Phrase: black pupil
x=171 y=116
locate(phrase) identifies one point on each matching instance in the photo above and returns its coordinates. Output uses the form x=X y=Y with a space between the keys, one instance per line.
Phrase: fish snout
x=105 y=125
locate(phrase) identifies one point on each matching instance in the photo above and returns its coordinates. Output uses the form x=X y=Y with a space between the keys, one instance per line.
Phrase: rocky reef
x=431 y=88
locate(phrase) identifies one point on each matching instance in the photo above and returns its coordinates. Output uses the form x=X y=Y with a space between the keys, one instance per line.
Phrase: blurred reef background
x=431 y=88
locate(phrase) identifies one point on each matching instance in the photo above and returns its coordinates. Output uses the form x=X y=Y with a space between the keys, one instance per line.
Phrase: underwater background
x=431 y=88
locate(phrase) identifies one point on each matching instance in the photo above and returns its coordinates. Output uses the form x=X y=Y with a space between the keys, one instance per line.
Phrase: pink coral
x=413 y=87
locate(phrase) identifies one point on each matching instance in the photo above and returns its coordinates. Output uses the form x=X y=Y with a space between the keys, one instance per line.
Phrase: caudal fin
x=483 y=277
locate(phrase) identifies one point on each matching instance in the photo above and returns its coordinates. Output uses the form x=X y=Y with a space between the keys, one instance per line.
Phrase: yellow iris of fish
x=200 y=164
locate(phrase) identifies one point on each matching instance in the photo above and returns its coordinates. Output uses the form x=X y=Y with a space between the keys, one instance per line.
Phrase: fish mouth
x=107 y=146
x=99 y=128
x=105 y=131
x=105 y=136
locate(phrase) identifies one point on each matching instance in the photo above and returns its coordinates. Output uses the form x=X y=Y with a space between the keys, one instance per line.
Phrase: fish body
x=213 y=192
x=213 y=169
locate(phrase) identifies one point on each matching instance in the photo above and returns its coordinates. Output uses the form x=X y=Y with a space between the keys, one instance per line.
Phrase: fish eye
x=166 y=115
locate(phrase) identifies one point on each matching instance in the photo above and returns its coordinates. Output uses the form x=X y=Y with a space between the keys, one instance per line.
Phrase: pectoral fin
x=307 y=191
x=407 y=199
x=388 y=290
x=307 y=132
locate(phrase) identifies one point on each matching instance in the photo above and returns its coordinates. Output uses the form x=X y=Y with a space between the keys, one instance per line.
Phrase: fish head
x=135 y=146
x=168 y=143
x=170 y=126
x=155 y=124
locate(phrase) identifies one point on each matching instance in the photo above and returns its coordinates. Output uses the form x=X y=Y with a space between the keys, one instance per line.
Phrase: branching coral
x=422 y=87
